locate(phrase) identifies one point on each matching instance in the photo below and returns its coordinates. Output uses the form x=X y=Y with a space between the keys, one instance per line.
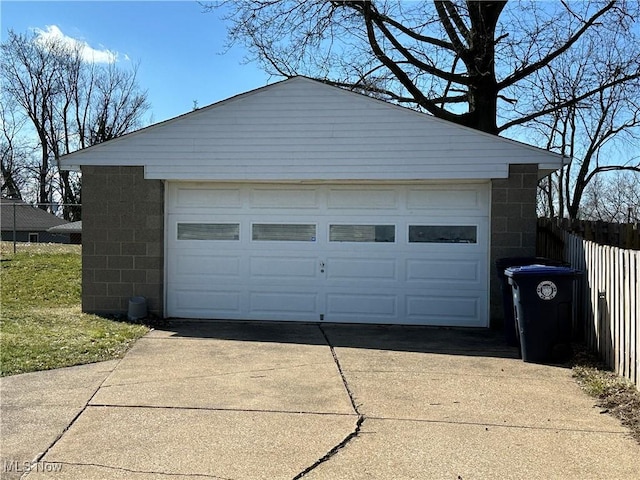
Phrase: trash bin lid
x=522 y=261
x=546 y=270
x=508 y=262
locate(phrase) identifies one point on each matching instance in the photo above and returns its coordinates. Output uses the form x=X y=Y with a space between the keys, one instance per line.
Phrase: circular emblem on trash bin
x=547 y=290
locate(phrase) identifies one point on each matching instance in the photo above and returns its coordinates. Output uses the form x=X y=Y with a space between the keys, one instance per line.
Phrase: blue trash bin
x=543 y=303
x=510 y=333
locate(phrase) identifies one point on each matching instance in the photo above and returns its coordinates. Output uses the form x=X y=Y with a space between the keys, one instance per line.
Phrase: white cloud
x=88 y=53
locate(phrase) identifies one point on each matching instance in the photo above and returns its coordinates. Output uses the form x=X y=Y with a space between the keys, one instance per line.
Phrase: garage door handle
x=321 y=267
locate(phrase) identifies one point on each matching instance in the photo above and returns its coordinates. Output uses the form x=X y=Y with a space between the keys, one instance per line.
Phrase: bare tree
x=118 y=105
x=464 y=61
x=13 y=153
x=613 y=198
x=70 y=103
x=599 y=135
x=29 y=78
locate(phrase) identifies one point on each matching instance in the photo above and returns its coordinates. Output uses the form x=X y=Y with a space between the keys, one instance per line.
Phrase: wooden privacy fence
x=607 y=297
x=623 y=235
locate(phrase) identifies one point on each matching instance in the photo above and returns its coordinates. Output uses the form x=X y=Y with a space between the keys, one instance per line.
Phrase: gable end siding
x=302 y=130
x=122 y=239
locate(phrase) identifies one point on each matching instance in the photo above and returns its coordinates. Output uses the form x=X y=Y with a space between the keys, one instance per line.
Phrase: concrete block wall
x=123 y=235
x=122 y=239
x=513 y=225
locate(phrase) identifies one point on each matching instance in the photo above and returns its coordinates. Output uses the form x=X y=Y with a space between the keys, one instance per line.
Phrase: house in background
x=305 y=202
x=72 y=229
x=30 y=224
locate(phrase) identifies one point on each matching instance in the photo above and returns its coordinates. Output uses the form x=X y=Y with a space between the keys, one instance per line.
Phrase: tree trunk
x=480 y=62
x=43 y=176
x=9 y=184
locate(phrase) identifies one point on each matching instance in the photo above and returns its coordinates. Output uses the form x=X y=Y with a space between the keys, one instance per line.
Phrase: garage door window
x=443 y=234
x=283 y=232
x=362 y=233
x=208 y=231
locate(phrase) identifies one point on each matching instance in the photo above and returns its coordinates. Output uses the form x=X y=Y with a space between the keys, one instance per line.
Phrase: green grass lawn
x=41 y=325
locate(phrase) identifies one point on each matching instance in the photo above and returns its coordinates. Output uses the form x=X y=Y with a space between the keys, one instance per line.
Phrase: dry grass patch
x=616 y=395
x=6 y=248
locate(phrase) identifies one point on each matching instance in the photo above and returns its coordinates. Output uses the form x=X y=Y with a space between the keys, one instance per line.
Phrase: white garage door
x=405 y=254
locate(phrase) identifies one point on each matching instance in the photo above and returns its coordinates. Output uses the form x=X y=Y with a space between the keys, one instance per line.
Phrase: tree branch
x=519 y=75
x=457 y=20
x=402 y=76
x=611 y=168
x=416 y=36
x=458 y=46
x=450 y=77
x=568 y=103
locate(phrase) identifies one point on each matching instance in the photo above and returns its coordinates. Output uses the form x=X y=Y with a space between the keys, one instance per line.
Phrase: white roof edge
x=277 y=178
x=545 y=169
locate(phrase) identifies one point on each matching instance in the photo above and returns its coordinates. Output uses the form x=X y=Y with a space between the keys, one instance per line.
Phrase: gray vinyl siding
x=301 y=129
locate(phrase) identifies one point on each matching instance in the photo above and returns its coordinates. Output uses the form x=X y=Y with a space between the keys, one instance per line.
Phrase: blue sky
x=180 y=49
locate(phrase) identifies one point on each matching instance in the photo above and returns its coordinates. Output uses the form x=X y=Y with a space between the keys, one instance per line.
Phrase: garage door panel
x=446 y=199
x=201 y=195
x=336 y=253
x=351 y=306
x=361 y=269
x=438 y=308
x=283 y=268
x=284 y=198
x=223 y=302
x=197 y=264
x=286 y=301
x=460 y=272
x=363 y=198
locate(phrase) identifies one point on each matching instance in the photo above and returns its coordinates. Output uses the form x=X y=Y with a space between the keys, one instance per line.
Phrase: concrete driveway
x=285 y=401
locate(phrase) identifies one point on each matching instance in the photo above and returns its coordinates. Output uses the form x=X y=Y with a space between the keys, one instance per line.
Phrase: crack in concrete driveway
x=359 y=422
x=345 y=401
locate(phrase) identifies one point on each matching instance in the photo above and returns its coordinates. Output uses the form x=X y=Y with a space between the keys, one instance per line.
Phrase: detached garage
x=304 y=202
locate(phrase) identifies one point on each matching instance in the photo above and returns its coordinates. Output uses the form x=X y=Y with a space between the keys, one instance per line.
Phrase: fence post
x=14 y=228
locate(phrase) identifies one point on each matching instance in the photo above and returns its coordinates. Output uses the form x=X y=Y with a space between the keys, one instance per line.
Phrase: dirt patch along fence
x=606 y=298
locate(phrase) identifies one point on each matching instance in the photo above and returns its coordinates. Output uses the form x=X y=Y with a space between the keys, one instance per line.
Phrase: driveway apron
x=240 y=400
